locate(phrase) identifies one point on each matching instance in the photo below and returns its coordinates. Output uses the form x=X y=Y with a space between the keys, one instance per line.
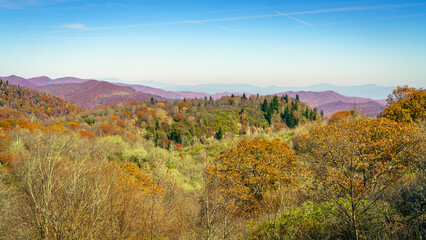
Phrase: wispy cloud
x=293 y=18
x=372 y=19
x=71 y=26
x=290 y=15
x=352 y=9
x=330 y=10
x=22 y=4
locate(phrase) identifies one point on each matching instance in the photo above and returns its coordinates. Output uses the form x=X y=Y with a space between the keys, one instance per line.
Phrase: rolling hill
x=18 y=102
x=370 y=109
x=92 y=93
x=331 y=102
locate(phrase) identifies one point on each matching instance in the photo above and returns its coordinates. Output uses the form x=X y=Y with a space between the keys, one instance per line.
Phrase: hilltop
x=23 y=102
x=92 y=93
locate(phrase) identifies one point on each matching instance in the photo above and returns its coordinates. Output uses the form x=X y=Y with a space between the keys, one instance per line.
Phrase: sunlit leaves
x=406 y=105
x=251 y=169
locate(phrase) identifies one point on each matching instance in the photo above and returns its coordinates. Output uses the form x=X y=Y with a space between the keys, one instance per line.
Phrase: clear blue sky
x=260 y=42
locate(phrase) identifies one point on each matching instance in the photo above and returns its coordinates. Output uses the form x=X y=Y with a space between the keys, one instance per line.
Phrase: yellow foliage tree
x=358 y=160
x=406 y=105
x=246 y=173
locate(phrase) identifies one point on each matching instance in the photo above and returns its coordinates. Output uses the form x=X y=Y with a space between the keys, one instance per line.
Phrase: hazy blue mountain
x=372 y=91
x=368 y=91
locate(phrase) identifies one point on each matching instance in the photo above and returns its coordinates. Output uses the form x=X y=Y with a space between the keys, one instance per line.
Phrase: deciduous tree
x=247 y=172
x=358 y=160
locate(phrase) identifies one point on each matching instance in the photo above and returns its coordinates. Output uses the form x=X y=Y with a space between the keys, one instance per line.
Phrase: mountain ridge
x=69 y=89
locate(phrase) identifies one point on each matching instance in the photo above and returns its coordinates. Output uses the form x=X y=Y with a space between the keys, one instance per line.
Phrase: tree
x=246 y=173
x=264 y=107
x=358 y=160
x=219 y=134
x=406 y=105
x=176 y=135
x=297 y=97
x=275 y=103
x=288 y=118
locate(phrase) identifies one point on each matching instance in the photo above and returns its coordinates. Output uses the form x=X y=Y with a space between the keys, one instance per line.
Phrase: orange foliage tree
x=87 y=134
x=247 y=173
x=343 y=115
x=6 y=157
x=406 y=105
x=358 y=160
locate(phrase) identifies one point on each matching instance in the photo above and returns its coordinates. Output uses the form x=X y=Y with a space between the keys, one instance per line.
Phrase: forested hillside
x=21 y=102
x=92 y=94
x=234 y=168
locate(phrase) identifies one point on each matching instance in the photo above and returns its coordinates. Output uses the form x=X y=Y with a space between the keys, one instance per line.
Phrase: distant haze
x=189 y=42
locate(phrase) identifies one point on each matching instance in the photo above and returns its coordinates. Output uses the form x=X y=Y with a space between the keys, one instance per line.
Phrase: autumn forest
x=236 y=167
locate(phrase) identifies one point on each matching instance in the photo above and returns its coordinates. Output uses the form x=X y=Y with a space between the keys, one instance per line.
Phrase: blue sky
x=286 y=43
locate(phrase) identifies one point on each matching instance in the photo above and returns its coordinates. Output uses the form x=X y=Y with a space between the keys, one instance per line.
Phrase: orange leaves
x=6 y=158
x=143 y=109
x=126 y=113
x=4 y=138
x=111 y=130
x=32 y=126
x=5 y=125
x=58 y=127
x=133 y=178
x=343 y=115
x=183 y=106
x=133 y=103
x=178 y=117
x=245 y=173
x=73 y=124
x=87 y=134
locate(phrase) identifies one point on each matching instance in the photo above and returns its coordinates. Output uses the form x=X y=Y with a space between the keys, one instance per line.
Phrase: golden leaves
x=245 y=173
x=362 y=156
x=406 y=105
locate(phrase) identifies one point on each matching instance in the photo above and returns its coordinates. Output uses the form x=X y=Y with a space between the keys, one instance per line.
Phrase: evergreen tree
x=264 y=106
x=219 y=134
x=297 y=97
x=275 y=103
x=288 y=118
x=176 y=135
x=268 y=115
x=285 y=97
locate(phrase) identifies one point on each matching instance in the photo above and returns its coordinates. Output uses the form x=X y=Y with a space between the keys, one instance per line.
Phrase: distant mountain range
x=367 y=91
x=89 y=94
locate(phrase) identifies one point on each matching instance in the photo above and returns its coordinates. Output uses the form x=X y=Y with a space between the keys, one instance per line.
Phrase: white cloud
x=22 y=4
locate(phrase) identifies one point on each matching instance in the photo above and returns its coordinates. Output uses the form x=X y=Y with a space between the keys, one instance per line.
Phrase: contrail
x=278 y=14
x=348 y=9
x=293 y=18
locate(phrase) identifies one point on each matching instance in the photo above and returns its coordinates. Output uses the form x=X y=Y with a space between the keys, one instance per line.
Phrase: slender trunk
x=355 y=225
